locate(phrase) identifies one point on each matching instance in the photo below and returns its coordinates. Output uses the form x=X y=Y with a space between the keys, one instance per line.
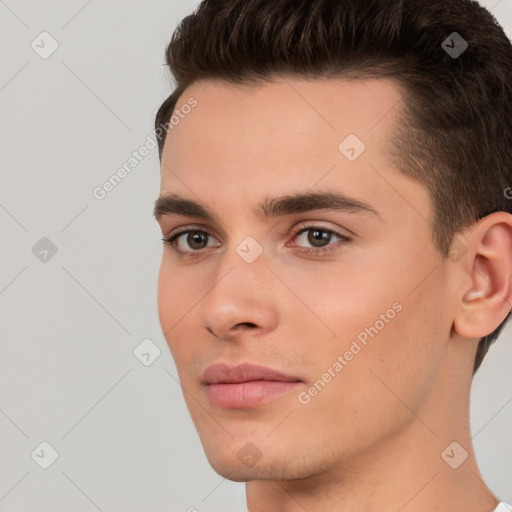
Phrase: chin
x=236 y=472
x=230 y=465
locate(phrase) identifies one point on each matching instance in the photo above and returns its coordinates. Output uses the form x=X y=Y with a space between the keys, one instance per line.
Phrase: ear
x=488 y=264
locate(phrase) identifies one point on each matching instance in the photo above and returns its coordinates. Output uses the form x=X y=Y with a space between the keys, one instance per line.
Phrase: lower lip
x=246 y=394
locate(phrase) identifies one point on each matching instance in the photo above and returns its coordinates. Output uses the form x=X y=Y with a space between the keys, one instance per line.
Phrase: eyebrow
x=269 y=207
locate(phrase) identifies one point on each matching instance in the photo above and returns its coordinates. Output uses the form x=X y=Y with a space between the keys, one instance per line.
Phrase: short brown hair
x=455 y=129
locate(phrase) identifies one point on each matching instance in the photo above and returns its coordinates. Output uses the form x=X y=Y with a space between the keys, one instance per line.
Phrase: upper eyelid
x=187 y=229
x=302 y=226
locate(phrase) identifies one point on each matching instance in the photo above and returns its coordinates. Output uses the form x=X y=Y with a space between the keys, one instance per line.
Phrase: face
x=335 y=291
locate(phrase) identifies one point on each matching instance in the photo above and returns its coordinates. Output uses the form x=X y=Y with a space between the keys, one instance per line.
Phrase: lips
x=221 y=373
x=246 y=385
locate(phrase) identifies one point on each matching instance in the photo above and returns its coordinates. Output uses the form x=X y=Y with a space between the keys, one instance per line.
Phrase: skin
x=372 y=438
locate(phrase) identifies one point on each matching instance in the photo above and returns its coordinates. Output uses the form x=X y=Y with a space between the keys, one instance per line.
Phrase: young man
x=338 y=244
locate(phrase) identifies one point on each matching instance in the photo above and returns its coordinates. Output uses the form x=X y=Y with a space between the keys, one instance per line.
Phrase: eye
x=320 y=237
x=196 y=239
x=192 y=242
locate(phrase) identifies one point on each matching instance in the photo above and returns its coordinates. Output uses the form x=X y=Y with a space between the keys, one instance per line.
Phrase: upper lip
x=245 y=372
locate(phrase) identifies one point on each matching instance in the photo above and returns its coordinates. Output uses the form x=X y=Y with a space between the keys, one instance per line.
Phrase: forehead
x=284 y=120
x=331 y=104
x=243 y=141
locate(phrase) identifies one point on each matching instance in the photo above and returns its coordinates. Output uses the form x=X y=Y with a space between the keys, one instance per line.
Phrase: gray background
x=68 y=374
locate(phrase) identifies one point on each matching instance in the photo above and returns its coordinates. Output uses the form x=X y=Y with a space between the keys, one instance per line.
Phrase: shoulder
x=503 y=507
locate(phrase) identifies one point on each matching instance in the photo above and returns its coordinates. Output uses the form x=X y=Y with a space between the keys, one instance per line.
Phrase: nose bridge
x=240 y=269
x=239 y=291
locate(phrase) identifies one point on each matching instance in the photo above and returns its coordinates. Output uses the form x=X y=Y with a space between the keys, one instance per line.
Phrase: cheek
x=402 y=360
x=176 y=293
x=179 y=303
x=165 y=297
x=173 y=303
x=396 y=366
x=389 y=322
x=345 y=299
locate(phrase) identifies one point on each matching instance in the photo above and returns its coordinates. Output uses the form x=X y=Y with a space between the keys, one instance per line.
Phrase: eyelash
x=172 y=241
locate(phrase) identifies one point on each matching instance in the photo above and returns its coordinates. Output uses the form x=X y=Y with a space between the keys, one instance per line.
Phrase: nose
x=241 y=297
